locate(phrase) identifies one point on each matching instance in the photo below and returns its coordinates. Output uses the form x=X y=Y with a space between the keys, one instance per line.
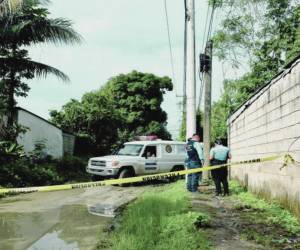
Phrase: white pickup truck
x=139 y=158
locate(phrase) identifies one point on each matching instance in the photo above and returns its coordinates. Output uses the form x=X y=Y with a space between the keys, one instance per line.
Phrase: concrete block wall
x=269 y=126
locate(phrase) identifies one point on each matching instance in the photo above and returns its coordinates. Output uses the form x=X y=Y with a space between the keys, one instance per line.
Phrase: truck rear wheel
x=125 y=173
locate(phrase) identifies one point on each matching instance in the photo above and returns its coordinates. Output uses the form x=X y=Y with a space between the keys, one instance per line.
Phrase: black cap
x=218 y=141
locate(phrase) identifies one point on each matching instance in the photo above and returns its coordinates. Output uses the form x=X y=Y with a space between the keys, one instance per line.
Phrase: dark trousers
x=220 y=177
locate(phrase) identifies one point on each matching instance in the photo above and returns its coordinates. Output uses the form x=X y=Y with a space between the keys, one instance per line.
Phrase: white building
x=57 y=142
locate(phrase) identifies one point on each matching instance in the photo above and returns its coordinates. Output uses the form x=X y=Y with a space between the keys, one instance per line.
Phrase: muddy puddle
x=73 y=219
x=71 y=227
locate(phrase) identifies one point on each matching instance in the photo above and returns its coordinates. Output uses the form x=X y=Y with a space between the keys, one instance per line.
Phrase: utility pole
x=207 y=104
x=190 y=70
x=186 y=18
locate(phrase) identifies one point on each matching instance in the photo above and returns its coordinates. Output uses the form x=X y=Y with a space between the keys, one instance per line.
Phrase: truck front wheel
x=125 y=173
x=97 y=178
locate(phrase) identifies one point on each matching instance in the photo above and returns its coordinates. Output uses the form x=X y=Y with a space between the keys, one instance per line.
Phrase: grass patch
x=273 y=212
x=269 y=223
x=160 y=220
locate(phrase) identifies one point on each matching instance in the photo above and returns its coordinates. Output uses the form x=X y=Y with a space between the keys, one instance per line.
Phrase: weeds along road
x=60 y=220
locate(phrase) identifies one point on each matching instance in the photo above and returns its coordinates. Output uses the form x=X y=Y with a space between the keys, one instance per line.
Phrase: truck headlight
x=115 y=163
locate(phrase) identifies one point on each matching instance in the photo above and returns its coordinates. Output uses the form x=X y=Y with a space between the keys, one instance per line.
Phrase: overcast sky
x=119 y=36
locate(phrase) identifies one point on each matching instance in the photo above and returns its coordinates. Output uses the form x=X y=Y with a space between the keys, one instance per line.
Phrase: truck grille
x=98 y=163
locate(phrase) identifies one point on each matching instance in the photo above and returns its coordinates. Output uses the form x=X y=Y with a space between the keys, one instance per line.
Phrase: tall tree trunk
x=10 y=104
x=11 y=101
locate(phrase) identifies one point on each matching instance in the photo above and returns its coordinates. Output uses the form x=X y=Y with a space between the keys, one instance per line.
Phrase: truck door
x=150 y=160
x=168 y=158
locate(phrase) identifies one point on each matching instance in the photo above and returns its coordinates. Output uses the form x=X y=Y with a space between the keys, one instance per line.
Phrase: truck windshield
x=130 y=149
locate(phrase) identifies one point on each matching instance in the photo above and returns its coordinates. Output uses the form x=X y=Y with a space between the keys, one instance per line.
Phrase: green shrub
x=72 y=168
x=36 y=168
x=10 y=151
x=44 y=174
x=203 y=220
x=39 y=152
x=21 y=173
x=236 y=188
x=24 y=172
x=28 y=171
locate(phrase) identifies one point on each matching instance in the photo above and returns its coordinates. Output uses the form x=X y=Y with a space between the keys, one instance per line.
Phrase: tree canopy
x=263 y=34
x=128 y=105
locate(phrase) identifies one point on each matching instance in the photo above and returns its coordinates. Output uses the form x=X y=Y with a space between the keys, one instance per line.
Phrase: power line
x=170 y=50
x=206 y=21
x=208 y=37
x=170 y=44
x=210 y=26
x=211 y=23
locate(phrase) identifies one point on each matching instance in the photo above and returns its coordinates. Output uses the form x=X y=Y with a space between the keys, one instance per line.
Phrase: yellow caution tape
x=288 y=159
x=132 y=179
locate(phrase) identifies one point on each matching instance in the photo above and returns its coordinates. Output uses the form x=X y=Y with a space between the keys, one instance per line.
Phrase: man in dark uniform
x=194 y=159
x=219 y=155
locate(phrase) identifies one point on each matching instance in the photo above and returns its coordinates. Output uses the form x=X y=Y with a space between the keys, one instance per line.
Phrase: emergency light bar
x=146 y=138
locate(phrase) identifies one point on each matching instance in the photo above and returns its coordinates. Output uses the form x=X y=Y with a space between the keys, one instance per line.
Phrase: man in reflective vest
x=219 y=155
x=194 y=159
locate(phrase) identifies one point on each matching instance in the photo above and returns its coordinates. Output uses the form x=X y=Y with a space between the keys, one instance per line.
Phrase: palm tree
x=28 y=26
x=11 y=6
x=7 y=6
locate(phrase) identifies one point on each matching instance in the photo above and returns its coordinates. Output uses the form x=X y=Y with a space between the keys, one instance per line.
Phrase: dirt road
x=223 y=232
x=60 y=220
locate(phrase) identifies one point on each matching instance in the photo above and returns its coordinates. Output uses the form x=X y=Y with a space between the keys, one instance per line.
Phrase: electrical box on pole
x=205 y=63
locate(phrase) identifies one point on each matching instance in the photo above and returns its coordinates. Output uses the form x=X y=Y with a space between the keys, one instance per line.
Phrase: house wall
x=40 y=130
x=269 y=126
